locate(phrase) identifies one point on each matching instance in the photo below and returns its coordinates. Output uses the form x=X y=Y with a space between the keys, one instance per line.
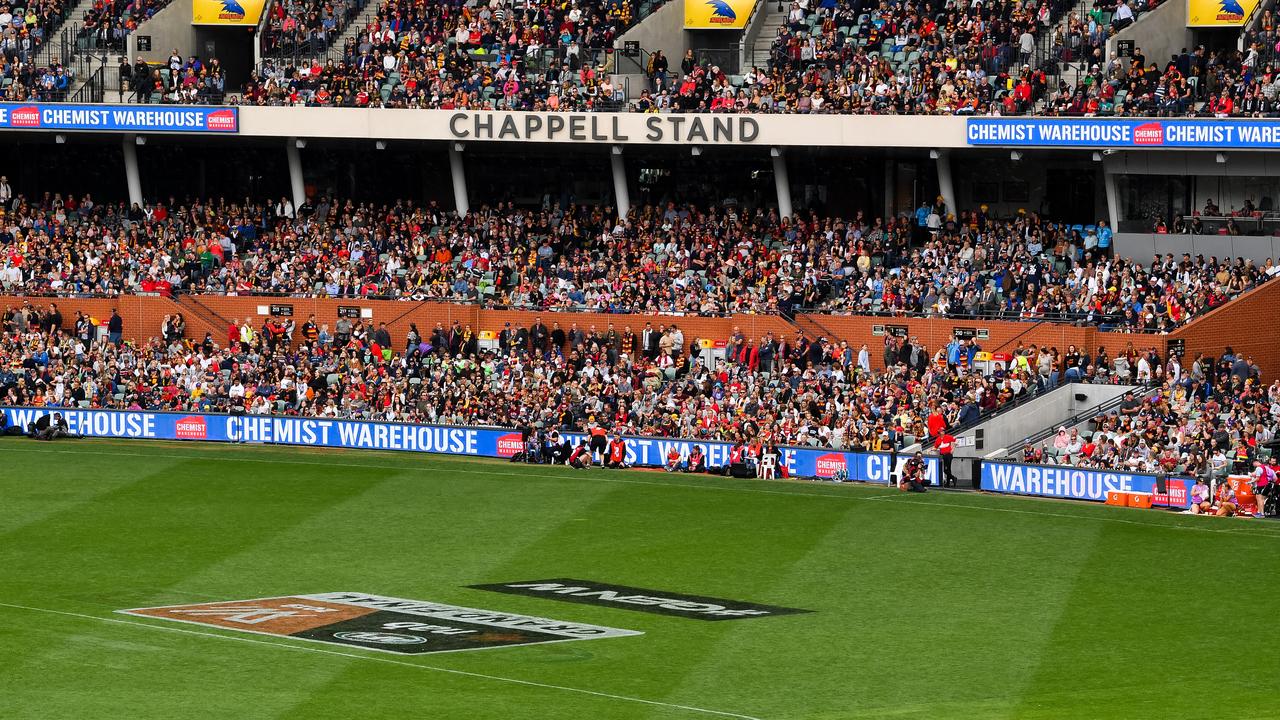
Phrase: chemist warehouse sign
x=128 y=118
x=1077 y=483
x=1124 y=133
x=480 y=442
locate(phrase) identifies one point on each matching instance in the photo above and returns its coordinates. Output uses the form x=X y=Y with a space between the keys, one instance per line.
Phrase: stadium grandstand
x=992 y=248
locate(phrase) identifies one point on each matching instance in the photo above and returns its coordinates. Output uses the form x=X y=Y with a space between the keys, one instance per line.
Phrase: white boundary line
x=1257 y=532
x=389 y=661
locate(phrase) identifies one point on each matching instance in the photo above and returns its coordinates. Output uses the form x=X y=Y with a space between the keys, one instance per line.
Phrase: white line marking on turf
x=1257 y=532
x=388 y=661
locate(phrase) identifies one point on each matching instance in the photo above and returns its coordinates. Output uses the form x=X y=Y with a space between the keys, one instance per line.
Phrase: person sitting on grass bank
x=697 y=461
x=1200 y=500
x=673 y=461
x=617 y=458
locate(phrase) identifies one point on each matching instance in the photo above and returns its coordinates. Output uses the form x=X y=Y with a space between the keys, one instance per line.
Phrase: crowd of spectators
x=26 y=75
x=25 y=81
x=450 y=55
x=651 y=380
x=673 y=259
x=106 y=23
x=175 y=81
x=1228 y=83
x=306 y=27
x=1207 y=418
x=853 y=57
x=26 y=26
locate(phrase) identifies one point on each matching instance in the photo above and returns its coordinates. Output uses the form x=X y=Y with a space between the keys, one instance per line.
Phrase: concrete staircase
x=769 y=24
x=355 y=27
x=54 y=47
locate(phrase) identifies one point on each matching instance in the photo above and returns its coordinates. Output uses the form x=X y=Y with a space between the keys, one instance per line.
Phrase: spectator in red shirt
x=946 y=450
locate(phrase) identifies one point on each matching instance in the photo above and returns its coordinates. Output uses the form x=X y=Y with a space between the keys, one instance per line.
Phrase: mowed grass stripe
x=420 y=510
x=202 y=513
x=737 y=550
x=116 y=539
x=886 y=569
x=934 y=606
x=1128 y=632
x=1050 y=509
x=36 y=485
x=401 y=689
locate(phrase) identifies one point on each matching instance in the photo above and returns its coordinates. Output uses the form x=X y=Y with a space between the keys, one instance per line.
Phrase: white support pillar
x=621 y=193
x=132 y=178
x=296 y=184
x=946 y=188
x=1113 y=198
x=782 y=180
x=459 y=173
x=890 y=186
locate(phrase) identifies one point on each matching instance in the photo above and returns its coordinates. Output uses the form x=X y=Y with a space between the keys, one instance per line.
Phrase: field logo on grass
x=377 y=622
x=510 y=444
x=631 y=598
x=192 y=427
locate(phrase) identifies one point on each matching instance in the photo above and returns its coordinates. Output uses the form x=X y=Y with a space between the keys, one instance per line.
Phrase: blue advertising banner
x=449 y=440
x=1123 y=133
x=131 y=118
x=1078 y=483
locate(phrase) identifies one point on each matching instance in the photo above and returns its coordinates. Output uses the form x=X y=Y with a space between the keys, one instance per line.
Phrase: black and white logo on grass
x=376 y=622
x=632 y=598
x=381 y=638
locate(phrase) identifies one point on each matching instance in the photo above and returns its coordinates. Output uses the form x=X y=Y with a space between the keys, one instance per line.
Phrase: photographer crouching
x=50 y=427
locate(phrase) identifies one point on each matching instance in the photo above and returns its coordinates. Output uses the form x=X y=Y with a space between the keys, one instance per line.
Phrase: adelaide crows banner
x=226 y=12
x=717 y=14
x=449 y=440
x=1219 y=13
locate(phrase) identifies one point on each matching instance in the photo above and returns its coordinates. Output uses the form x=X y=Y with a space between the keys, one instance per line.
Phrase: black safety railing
x=1089 y=413
x=1033 y=393
x=94 y=88
x=302 y=45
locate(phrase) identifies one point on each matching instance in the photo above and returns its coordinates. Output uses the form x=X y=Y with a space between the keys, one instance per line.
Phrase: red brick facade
x=1246 y=324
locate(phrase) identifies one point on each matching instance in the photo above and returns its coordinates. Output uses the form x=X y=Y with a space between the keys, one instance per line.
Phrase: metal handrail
x=1085 y=415
x=983 y=417
x=94 y=88
x=750 y=34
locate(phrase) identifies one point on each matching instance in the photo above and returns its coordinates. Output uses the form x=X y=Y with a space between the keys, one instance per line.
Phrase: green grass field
x=934 y=606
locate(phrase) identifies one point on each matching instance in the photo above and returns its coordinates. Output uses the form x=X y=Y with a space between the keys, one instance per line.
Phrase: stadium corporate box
x=449 y=440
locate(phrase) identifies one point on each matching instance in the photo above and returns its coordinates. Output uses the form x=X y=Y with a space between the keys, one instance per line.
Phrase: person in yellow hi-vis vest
x=246 y=332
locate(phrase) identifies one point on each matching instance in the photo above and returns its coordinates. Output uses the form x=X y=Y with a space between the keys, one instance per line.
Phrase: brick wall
x=1248 y=324
x=1002 y=334
x=143 y=316
x=1244 y=324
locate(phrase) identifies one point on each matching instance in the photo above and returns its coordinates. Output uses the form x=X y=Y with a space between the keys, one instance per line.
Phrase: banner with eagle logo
x=717 y=14
x=1219 y=13
x=226 y=12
